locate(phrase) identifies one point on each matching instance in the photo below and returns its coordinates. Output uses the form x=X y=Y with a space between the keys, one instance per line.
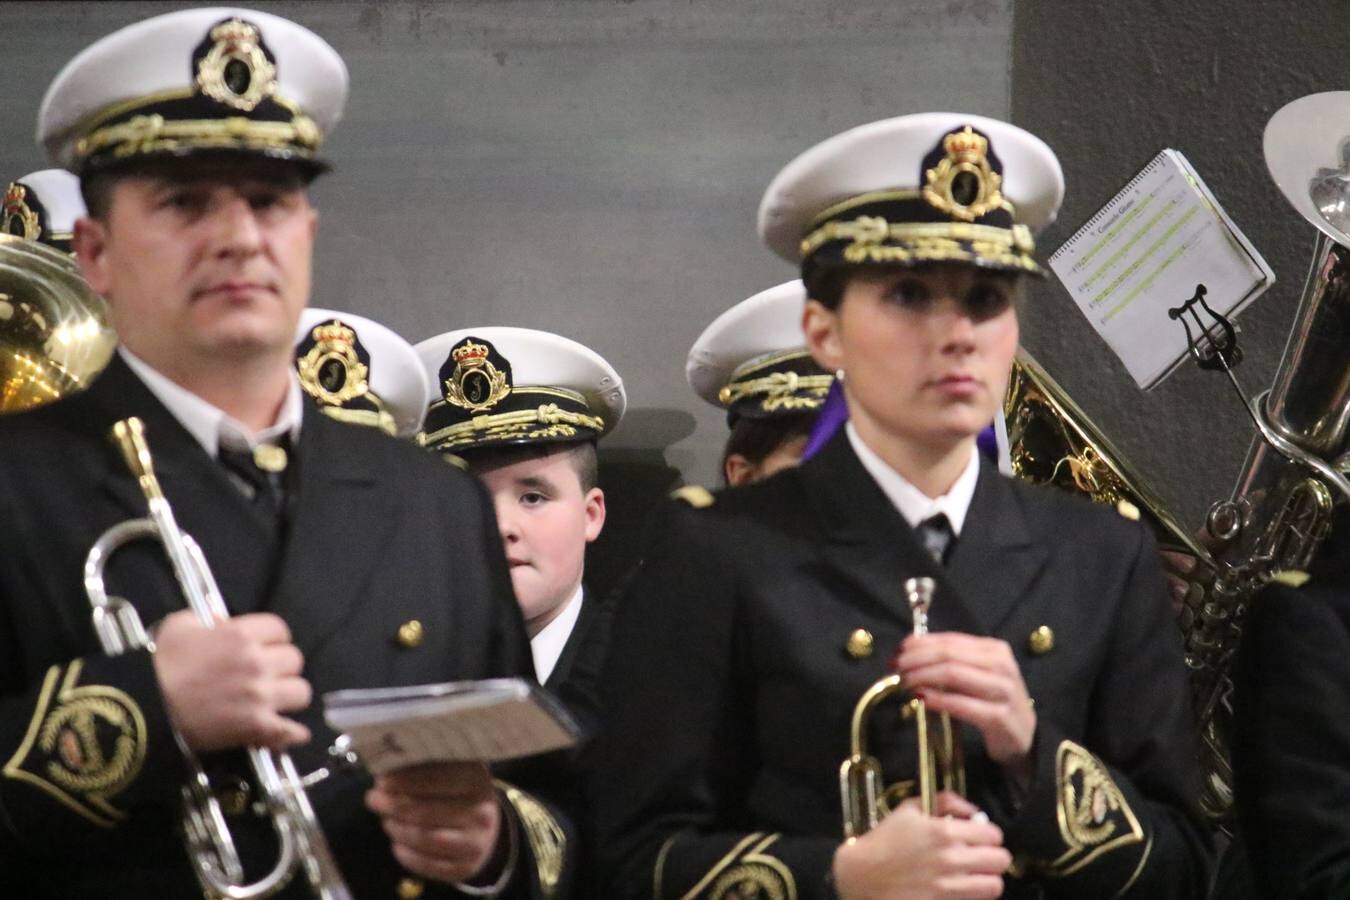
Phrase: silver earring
x=838 y=374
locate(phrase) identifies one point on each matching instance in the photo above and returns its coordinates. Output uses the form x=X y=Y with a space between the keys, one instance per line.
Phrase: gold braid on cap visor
x=545 y=422
x=152 y=133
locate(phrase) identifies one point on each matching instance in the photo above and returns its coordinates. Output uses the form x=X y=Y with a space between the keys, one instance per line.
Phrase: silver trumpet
x=210 y=845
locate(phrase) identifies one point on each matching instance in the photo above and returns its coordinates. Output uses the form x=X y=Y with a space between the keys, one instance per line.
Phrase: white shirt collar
x=211 y=426
x=909 y=501
x=547 y=646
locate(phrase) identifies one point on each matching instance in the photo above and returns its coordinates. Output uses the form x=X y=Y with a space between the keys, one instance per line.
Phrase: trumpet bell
x=54 y=331
x=1307 y=150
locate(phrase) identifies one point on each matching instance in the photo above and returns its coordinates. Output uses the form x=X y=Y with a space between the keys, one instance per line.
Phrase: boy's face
x=546 y=520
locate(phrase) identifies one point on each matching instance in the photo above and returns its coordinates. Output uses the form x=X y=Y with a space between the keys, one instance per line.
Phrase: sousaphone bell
x=54 y=332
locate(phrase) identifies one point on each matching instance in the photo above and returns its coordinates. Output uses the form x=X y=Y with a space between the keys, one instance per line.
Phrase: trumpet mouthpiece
x=919 y=595
x=129 y=436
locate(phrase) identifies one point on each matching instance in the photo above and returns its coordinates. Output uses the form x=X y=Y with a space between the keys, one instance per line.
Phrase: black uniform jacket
x=729 y=690
x=1291 y=744
x=591 y=609
x=380 y=534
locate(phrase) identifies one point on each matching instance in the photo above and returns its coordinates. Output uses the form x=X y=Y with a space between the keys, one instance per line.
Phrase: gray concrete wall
x=590 y=167
x=1108 y=85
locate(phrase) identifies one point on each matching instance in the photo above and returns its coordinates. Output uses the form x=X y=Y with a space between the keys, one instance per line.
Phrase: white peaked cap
x=396 y=375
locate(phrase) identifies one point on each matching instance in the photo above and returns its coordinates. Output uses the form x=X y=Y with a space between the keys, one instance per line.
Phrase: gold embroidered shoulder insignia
x=694 y=495
x=546 y=838
x=1094 y=817
x=85 y=745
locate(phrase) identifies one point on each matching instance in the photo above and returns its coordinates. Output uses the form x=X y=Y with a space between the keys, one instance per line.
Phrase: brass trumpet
x=210 y=845
x=862 y=788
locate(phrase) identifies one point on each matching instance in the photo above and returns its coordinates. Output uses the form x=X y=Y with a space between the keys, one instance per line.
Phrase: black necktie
x=936 y=534
x=262 y=487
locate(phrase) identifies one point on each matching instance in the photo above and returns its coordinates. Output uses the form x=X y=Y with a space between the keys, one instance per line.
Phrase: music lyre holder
x=1213 y=351
x=1214 y=347
x=1209 y=349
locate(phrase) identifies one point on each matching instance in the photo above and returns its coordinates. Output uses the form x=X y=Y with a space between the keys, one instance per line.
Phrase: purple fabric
x=834 y=413
x=832 y=416
x=988 y=444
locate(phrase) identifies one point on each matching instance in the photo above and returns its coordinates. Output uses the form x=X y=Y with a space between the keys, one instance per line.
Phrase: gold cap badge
x=18 y=218
x=332 y=371
x=236 y=70
x=963 y=184
x=476 y=383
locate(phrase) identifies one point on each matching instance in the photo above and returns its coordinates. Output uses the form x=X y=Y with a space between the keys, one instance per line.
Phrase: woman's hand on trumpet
x=228 y=686
x=974 y=680
x=955 y=853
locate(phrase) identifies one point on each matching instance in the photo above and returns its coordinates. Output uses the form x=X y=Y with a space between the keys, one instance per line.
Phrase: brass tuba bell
x=862 y=787
x=54 y=332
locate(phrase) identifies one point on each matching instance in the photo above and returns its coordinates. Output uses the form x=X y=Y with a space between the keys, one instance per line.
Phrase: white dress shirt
x=913 y=504
x=212 y=427
x=548 y=644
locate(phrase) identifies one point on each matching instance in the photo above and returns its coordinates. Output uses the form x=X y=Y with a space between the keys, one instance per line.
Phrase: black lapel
x=563 y=666
x=867 y=543
x=342 y=519
x=995 y=561
x=205 y=503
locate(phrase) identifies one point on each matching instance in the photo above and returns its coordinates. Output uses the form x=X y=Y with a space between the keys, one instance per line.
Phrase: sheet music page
x=1145 y=252
x=483 y=721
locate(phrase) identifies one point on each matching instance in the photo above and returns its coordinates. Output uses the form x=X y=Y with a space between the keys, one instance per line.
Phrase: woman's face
x=925 y=352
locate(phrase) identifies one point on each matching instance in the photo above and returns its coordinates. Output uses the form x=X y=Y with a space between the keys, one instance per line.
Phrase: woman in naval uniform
x=758 y=620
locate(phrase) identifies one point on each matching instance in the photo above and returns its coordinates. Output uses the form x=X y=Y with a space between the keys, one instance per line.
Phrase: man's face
x=203 y=261
x=546 y=521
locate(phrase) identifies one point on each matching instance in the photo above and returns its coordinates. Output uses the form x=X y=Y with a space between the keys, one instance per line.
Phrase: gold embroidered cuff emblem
x=548 y=842
x=748 y=872
x=84 y=745
x=236 y=71
x=1094 y=817
x=754 y=881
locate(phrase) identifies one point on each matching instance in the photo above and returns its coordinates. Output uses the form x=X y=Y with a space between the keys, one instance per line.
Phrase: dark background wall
x=590 y=167
x=1108 y=85
x=593 y=166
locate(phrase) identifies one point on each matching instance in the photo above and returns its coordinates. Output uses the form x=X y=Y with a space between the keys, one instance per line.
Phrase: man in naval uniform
x=523 y=409
x=195 y=134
